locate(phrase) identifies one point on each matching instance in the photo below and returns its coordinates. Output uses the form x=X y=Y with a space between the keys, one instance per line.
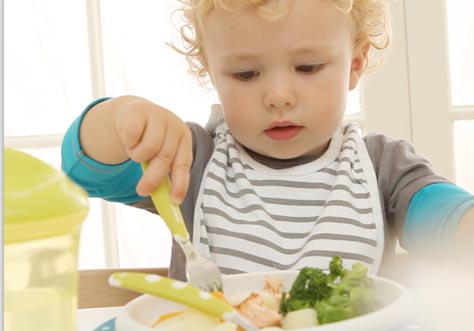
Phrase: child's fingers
x=152 y=177
x=160 y=164
x=150 y=144
x=180 y=169
x=131 y=129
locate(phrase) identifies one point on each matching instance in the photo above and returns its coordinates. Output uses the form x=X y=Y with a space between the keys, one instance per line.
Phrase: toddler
x=276 y=180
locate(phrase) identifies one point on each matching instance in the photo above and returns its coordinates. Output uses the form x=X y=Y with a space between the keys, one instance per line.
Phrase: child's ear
x=358 y=64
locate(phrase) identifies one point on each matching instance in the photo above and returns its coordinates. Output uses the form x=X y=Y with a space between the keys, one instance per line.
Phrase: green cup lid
x=39 y=200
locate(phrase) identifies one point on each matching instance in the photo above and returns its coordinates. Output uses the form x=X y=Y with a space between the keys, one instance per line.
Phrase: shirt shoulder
x=400 y=172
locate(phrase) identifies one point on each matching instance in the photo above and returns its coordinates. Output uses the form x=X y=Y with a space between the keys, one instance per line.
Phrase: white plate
x=143 y=311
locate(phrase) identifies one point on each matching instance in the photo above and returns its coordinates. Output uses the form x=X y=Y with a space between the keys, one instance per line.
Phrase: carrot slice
x=219 y=295
x=166 y=316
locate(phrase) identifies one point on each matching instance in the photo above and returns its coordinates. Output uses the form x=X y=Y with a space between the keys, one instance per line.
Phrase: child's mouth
x=286 y=132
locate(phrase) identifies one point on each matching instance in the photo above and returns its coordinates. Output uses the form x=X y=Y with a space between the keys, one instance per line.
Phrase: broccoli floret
x=336 y=268
x=310 y=286
x=364 y=300
x=336 y=308
x=336 y=296
x=353 y=296
x=357 y=276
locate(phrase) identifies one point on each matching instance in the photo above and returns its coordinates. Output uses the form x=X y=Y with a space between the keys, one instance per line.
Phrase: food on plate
x=301 y=318
x=188 y=319
x=260 y=309
x=337 y=296
x=315 y=298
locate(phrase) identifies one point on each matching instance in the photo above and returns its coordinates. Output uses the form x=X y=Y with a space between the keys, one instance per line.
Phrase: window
x=461 y=52
x=440 y=68
x=47 y=66
x=59 y=57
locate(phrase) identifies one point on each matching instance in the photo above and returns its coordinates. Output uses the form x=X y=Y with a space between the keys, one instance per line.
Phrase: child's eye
x=308 y=68
x=246 y=75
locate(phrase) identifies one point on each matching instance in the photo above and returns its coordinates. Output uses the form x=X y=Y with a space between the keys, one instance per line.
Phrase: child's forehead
x=238 y=14
x=270 y=9
x=310 y=24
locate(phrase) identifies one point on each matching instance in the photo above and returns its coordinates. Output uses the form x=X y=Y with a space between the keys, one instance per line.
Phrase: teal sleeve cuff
x=111 y=182
x=432 y=218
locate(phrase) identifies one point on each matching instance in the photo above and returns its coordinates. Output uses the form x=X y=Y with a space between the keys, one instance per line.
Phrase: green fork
x=200 y=271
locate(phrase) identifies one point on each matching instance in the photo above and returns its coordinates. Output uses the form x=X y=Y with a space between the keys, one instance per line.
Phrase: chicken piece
x=273 y=285
x=254 y=309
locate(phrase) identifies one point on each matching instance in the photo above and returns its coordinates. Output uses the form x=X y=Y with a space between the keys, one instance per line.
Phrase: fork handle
x=170 y=212
x=173 y=290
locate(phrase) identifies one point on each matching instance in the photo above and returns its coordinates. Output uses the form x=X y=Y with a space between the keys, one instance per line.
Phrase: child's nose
x=279 y=95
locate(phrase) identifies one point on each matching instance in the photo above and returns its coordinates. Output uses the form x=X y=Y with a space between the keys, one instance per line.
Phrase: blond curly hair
x=370 y=18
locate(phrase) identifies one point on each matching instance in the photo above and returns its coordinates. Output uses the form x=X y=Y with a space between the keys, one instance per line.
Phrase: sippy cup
x=43 y=212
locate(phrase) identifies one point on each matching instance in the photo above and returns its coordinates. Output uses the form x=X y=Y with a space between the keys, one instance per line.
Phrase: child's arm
x=440 y=222
x=130 y=127
x=429 y=214
x=98 y=132
x=465 y=236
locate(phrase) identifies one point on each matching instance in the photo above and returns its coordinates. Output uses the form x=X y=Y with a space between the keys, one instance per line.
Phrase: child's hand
x=151 y=133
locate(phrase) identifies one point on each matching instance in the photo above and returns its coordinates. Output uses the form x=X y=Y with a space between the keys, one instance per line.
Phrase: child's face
x=282 y=84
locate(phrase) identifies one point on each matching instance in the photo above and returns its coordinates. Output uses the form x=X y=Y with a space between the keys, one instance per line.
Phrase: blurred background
x=61 y=55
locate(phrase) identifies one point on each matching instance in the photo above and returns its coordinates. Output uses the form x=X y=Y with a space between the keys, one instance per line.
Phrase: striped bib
x=250 y=217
